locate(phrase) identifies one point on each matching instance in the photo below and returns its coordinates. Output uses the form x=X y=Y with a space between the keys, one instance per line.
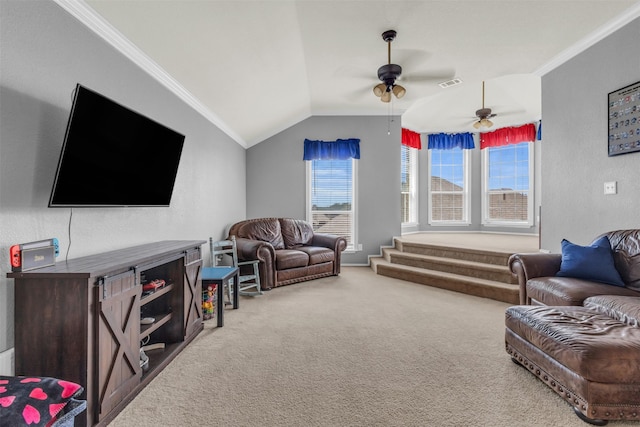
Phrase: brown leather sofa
x=288 y=250
x=581 y=338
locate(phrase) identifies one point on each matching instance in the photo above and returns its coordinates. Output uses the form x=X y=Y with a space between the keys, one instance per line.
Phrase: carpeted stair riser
x=474 y=255
x=478 y=272
x=499 y=292
x=464 y=268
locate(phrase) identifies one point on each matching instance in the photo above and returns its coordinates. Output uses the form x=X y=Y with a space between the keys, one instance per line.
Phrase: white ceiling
x=257 y=67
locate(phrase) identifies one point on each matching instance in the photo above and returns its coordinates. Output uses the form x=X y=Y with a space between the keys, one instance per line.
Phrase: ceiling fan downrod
x=388 y=73
x=483 y=114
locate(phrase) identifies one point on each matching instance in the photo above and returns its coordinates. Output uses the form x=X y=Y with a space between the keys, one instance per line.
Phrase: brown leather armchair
x=288 y=249
x=583 y=338
x=539 y=285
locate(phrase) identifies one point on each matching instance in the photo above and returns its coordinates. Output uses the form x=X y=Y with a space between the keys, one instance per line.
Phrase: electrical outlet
x=611 y=187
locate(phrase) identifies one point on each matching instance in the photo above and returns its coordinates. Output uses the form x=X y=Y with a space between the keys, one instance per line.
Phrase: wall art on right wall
x=624 y=120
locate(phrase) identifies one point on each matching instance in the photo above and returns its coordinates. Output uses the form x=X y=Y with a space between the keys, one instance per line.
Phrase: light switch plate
x=611 y=187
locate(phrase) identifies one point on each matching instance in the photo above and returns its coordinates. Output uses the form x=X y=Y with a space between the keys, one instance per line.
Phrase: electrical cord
x=66 y=257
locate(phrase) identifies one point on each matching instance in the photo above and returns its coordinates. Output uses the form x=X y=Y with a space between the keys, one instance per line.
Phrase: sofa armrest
x=333 y=242
x=529 y=265
x=249 y=250
x=330 y=241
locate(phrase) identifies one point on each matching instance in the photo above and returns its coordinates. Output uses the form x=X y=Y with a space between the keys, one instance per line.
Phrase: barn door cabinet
x=79 y=320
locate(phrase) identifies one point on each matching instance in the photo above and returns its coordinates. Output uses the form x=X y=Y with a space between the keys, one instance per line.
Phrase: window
x=508 y=176
x=408 y=189
x=331 y=189
x=448 y=187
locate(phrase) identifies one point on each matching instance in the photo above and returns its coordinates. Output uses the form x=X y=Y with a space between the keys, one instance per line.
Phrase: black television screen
x=113 y=156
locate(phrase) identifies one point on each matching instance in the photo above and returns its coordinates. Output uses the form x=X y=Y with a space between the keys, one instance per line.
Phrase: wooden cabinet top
x=110 y=262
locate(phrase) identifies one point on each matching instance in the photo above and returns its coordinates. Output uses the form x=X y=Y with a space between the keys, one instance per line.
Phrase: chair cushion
x=264 y=229
x=295 y=232
x=593 y=262
x=626 y=254
x=624 y=240
x=289 y=258
x=623 y=308
x=570 y=291
x=629 y=268
x=317 y=254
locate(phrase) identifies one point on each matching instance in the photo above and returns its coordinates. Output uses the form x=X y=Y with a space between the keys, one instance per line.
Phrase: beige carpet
x=353 y=350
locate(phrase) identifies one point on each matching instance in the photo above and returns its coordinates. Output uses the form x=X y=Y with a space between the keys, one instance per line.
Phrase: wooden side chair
x=249 y=278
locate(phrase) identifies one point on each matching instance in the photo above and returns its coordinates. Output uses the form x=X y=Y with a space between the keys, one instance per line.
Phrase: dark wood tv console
x=79 y=320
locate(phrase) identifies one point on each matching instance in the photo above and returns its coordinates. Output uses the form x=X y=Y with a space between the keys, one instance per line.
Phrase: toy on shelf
x=208 y=302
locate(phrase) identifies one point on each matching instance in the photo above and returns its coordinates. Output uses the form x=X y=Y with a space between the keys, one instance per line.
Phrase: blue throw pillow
x=593 y=262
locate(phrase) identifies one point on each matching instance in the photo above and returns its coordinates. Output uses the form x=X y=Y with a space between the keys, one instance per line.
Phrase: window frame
x=466 y=193
x=412 y=194
x=529 y=222
x=354 y=246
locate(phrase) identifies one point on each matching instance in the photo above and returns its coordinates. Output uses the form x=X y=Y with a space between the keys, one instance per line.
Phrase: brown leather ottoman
x=589 y=358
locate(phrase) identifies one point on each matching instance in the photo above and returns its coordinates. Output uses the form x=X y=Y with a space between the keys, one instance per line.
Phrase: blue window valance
x=539 y=134
x=447 y=141
x=341 y=149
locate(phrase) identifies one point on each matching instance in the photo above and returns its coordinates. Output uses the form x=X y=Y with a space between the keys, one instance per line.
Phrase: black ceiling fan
x=389 y=73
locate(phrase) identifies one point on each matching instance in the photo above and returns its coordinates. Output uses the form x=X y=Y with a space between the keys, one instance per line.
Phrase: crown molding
x=607 y=29
x=87 y=16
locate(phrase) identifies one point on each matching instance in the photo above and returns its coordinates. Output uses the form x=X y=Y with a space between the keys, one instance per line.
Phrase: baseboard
x=7 y=365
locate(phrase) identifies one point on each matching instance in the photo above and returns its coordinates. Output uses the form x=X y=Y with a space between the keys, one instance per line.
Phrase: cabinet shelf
x=157 y=294
x=146 y=330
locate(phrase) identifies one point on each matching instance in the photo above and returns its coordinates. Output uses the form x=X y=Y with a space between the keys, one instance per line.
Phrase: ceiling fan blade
x=510 y=113
x=409 y=58
x=359 y=94
x=430 y=76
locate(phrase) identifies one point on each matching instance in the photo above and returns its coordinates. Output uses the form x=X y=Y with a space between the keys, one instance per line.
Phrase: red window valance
x=507 y=136
x=411 y=139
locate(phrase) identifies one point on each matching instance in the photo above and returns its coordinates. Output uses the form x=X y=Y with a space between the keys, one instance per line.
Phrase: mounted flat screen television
x=113 y=156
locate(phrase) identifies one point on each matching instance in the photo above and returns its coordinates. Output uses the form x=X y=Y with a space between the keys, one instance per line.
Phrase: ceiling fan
x=483 y=115
x=388 y=74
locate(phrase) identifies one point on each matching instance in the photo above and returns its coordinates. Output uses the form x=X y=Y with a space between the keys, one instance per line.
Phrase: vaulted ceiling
x=257 y=67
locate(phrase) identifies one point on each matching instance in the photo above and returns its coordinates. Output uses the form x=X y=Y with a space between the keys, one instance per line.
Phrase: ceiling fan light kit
x=486 y=123
x=398 y=91
x=483 y=115
x=388 y=74
x=379 y=89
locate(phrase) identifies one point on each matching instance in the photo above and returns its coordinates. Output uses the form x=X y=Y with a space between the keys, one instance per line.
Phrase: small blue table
x=221 y=276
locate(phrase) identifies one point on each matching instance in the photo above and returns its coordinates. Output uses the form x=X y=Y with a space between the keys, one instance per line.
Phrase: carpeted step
x=469 y=254
x=480 y=270
x=498 y=291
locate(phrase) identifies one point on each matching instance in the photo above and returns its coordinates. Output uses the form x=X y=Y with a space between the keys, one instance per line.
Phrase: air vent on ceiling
x=450 y=83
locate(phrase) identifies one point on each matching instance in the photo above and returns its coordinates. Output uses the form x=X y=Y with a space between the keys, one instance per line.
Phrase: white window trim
x=466 y=214
x=485 y=185
x=413 y=191
x=355 y=246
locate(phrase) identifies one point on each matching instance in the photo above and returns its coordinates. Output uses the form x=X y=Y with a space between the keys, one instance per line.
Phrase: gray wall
x=44 y=53
x=276 y=176
x=575 y=164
